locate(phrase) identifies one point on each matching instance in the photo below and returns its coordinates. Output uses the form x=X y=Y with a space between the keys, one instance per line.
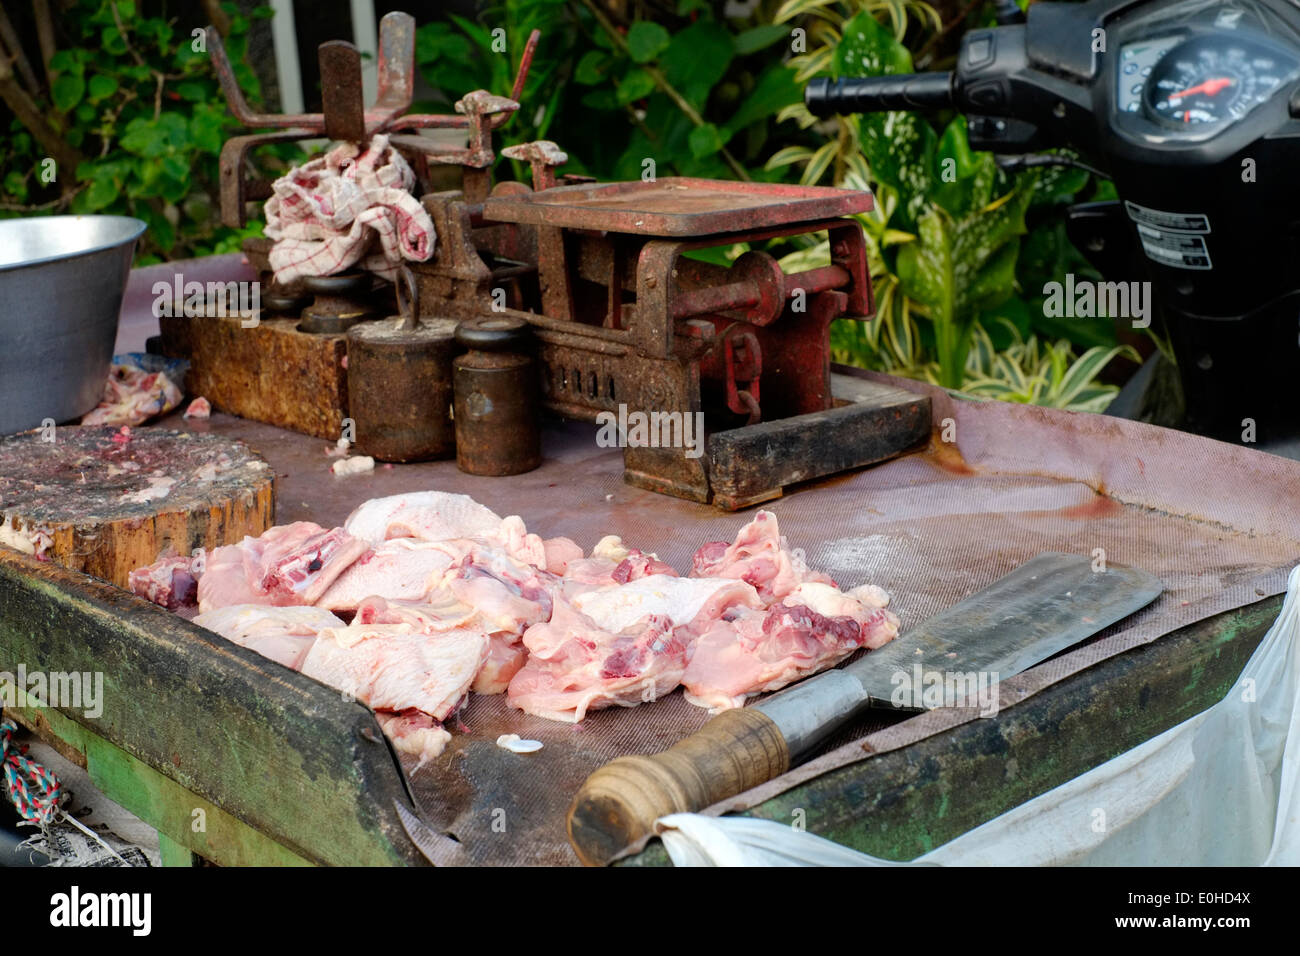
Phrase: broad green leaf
x=65 y=61
x=992 y=282
x=67 y=91
x=152 y=138
x=592 y=68
x=963 y=180
x=101 y=86
x=646 y=40
x=925 y=266
x=638 y=84
x=775 y=90
x=176 y=167
x=868 y=49
x=760 y=37
x=696 y=59
x=899 y=148
x=192 y=92
x=206 y=130
x=112 y=41
x=704 y=140
x=1058 y=184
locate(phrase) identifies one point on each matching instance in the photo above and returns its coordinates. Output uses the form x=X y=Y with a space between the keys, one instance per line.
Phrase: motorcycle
x=1192 y=109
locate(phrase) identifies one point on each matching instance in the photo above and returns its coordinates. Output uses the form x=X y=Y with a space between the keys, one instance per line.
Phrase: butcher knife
x=438 y=849
x=1046 y=605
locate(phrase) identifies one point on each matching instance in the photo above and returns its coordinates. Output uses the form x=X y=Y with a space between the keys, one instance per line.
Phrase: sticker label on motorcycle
x=1182 y=250
x=1172 y=238
x=1178 y=221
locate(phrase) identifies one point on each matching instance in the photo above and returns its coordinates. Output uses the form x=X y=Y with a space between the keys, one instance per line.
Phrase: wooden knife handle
x=619 y=803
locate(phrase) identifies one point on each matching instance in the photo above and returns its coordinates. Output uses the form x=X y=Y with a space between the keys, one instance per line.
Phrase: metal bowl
x=61 y=284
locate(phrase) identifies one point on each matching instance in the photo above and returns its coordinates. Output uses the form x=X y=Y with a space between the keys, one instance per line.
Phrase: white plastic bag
x=1219 y=789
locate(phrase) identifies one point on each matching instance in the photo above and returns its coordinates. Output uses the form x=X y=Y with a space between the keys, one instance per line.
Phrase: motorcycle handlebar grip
x=874 y=94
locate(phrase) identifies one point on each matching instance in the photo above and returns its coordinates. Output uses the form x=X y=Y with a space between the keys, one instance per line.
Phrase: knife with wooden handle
x=1048 y=604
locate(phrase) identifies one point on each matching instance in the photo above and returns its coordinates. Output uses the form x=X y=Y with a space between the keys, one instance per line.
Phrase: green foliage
x=143 y=108
x=696 y=93
x=950 y=245
x=1035 y=374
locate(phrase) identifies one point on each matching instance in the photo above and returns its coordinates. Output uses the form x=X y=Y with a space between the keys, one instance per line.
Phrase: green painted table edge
x=279 y=769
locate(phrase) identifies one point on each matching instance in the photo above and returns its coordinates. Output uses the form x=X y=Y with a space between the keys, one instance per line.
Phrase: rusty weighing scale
x=622 y=317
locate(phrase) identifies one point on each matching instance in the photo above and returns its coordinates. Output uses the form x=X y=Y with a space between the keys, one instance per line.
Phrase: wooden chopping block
x=106 y=501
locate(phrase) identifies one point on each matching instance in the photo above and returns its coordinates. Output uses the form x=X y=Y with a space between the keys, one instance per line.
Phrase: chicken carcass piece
x=395 y=667
x=611 y=563
x=440 y=612
x=759 y=556
x=414 y=733
x=441 y=516
x=690 y=604
x=283 y=634
x=620 y=645
x=404 y=569
x=286 y=565
x=812 y=628
x=575 y=666
x=560 y=553
x=506 y=658
x=509 y=594
x=546 y=554
x=506 y=655
x=171 y=582
x=427 y=515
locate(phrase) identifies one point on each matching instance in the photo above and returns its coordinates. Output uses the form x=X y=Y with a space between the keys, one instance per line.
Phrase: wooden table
x=237 y=760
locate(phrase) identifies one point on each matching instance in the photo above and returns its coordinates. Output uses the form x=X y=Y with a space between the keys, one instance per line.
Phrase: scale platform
x=676 y=206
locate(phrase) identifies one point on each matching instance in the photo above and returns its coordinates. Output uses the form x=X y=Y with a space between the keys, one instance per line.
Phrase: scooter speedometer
x=1214 y=79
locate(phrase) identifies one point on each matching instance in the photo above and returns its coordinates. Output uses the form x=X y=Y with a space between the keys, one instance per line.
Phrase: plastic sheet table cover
x=1216 y=522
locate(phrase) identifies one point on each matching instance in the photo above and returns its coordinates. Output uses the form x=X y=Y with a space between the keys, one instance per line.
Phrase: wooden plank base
x=268 y=373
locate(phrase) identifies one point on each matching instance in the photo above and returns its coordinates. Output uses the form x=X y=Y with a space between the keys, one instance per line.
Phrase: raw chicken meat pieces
x=404 y=569
x=428 y=515
x=411 y=679
x=759 y=556
x=170 y=582
x=575 y=666
x=397 y=667
x=289 y=564
x=621 y=645
x=445 y=598
x=283 y=634
x=748 y=652
x=414 y=733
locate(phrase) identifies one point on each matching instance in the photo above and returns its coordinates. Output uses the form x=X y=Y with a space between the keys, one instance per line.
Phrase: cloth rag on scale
x=348 y=207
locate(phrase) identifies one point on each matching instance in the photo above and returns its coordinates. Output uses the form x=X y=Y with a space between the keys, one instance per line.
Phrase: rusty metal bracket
x=345 y=118
x=747 y=367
